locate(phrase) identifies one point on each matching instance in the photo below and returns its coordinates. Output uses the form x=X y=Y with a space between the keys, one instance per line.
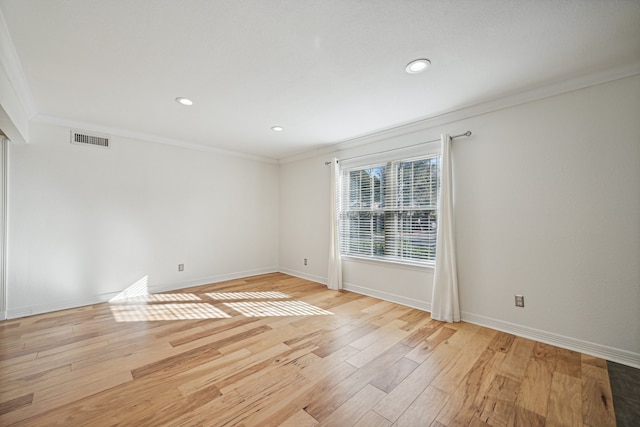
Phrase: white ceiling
x=326 y=70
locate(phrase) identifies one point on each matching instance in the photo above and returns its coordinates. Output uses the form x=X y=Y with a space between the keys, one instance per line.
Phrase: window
x=389 y=210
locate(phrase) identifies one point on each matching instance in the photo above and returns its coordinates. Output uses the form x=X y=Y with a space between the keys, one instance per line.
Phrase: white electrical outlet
x=180 y=267
x=519 y=301
x=305 y=261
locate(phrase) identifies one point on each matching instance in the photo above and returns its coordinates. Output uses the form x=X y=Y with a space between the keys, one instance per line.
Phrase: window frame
x=385 y=159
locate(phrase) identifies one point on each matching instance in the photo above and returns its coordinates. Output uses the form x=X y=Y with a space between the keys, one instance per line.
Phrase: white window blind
x=389 y=210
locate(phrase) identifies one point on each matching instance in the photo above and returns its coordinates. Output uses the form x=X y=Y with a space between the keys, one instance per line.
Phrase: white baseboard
x=96 y=299
x=211 y=279
x=59 y=305
x=387 y=296
x=598 y=350
x=303 y=275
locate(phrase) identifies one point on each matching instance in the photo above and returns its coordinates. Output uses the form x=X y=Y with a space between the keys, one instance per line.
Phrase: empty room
x=320 y=213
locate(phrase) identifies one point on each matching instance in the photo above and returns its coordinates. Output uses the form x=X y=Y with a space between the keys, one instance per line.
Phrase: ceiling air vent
x=83 y=138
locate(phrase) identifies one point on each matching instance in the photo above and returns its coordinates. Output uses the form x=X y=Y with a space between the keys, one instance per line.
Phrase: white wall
x=547 y=205
x=85 y=222
x=304 y=219
x=547 y=199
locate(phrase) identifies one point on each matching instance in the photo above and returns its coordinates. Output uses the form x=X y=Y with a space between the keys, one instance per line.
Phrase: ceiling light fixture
x=417 y=66
x=277 y=128
x=184 y=101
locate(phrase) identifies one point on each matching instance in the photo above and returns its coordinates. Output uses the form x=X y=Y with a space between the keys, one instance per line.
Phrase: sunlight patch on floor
x=160 y=298
x=246 y=295
x=139 y=288
x=276 y=308
x=136 y=304
x=155 y=312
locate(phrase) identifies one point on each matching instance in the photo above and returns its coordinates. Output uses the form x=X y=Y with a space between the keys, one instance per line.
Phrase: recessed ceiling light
x=417 y=66
x=184 y=101
x=277 y=128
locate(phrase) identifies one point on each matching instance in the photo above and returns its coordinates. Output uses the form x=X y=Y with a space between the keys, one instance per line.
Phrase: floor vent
x=83 y=138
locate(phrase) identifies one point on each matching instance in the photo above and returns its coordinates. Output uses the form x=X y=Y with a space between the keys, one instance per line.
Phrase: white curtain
x=4 y=161
x=445 y=304
x=334 y=280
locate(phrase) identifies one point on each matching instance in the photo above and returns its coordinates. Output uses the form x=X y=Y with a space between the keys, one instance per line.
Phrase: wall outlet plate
x=180 y=267
x=519 y=301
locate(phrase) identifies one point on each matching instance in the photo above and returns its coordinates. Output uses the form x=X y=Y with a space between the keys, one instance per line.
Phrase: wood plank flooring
x=277 y=350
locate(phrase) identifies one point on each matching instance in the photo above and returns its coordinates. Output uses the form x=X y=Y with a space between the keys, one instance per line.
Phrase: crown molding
x=145 y=137
x=13 y=134
x=11 y=64
x=510 y=100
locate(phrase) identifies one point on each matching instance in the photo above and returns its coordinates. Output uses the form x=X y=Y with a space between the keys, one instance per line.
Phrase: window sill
x=391 y=263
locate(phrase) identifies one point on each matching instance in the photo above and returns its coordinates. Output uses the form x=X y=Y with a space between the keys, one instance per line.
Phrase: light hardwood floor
x=278 y=350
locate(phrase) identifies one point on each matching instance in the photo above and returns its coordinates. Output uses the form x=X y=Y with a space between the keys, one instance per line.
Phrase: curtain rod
x=467 y=133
